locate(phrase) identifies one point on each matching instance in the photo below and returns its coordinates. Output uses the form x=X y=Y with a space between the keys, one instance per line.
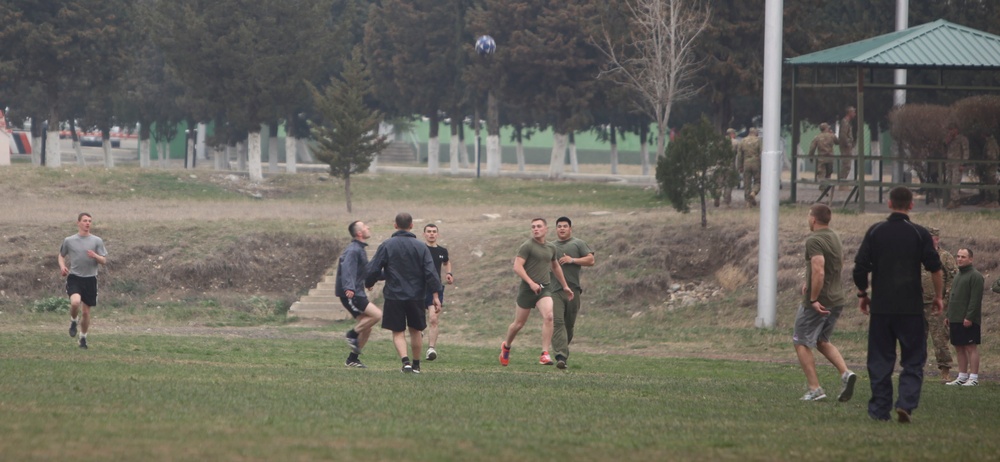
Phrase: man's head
x=824 y=127
x=404 y=221
x=564 y=228
x=819 y=216
x=935 y=236
x=850 y=112
x=731 y=133
x=83 y=222
x=359 y=230
x=963 y=257
x=539 y=228
x=901 y=199
x=752 y=131
x=431 y=233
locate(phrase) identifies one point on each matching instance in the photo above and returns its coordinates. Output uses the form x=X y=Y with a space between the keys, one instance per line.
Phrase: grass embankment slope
x=192 y=356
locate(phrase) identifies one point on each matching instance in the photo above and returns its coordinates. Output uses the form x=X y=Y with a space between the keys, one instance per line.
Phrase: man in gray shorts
x=823 y=300
x=85 y=253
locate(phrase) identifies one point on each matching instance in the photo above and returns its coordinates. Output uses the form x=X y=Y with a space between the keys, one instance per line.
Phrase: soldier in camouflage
x=724 y=174
x=936 y=329
x=846 y=143
x=748 y=163
x=823 y=145
x=958 y=151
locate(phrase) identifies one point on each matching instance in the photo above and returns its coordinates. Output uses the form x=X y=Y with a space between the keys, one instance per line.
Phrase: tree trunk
x=109 y=160
x=453 y=149
x=303 y=147
x=644 y=150
x=163 y=155
x=291 y=161
x=241 y=156
x=272 y=148
x=661 y=140
x=143 y=145
x=433 y=146
x=199 y=141
x=189 y=145
x=77 y=149
x=347 y=192
x=493 y=154
x=463 y=150
x=574 y=165
x=519 y=148
x=704 y=208
x=254 y=167
x=614 y=151
x=558 y=160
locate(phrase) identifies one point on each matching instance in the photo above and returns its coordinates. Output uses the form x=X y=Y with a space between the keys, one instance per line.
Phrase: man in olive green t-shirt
x=535 y=259
x=573 y=254
x=822 y=302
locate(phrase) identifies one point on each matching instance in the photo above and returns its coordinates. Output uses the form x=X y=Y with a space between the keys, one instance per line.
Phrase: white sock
x=83 y=335
x=76 y=319
x=974 y=377
x=962 y=376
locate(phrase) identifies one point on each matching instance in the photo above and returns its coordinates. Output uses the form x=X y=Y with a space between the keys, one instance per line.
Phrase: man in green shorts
x=535 y=259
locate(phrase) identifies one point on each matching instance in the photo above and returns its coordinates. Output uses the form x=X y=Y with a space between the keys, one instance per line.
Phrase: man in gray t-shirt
x=85 y=252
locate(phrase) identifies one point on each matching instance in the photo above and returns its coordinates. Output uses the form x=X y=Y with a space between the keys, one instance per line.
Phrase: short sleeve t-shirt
x=75 y=248
x=440 y=256
x=537 y=259
x=575 y=248
x=826 y=242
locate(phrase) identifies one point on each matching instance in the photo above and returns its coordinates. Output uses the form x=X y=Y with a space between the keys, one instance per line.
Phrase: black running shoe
x=355 y=363
x=83 y=342
x=407 y=368
x=416 y=369
x=72 y=328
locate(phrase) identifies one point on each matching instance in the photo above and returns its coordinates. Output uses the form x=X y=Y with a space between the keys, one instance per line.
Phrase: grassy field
x=193 y=358
x=287 y=397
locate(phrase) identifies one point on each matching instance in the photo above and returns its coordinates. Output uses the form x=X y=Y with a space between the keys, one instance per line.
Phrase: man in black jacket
x=893 y=252
x=408 y=269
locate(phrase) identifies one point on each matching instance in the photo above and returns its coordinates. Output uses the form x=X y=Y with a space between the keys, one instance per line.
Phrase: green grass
x=134 y=397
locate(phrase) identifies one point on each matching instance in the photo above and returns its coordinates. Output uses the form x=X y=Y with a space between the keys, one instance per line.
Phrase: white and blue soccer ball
x=485 y=45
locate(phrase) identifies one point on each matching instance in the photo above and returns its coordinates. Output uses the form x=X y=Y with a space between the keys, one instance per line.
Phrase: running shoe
x=545 y=359
x=355 y=363
x=83 y=342
x=847 y=386
x=504 y=354
x=971 y=383
x=814 y=395
x=72 y=328
x=432 y=354
x=958 y=381
x=407 y=369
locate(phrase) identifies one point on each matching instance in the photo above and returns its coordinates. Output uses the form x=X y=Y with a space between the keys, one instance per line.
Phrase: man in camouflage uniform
x=846 y=143
x=823 y=144
x=991 y=152
x=748 y=163
x=936 y=328
x=958 y=151
x=724 y=174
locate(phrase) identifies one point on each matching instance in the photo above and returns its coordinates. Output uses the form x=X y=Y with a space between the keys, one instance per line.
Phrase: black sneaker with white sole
x=72 y=328
x=355 y=363
x=407 y=369
x=83 y=342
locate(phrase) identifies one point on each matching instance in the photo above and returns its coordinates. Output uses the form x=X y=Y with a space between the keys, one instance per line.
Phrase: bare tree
x=656 y=59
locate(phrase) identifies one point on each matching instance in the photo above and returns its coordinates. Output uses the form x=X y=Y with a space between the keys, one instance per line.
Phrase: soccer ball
x=485 y=45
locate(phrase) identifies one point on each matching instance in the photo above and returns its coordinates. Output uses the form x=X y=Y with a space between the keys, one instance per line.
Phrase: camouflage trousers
x=938 y=332
x=823 y=171
x=751 y=183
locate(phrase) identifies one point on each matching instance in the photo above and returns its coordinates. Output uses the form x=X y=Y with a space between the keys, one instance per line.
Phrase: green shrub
x=51 y=305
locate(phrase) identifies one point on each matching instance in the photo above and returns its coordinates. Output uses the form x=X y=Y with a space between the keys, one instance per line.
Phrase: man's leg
x=544 y=306
x=416 y=343
x=84 y=319
x=912 y=358
x=520 y=317
x=560 y=334
x=432 y=326
x=832 y=354
x=973 y=355
x=74 y=311
x=572 y=309
x=399 y=341
x=881 y=361
x=808 y=364
x=366 y=321
x=937 y=330
x=963 y=358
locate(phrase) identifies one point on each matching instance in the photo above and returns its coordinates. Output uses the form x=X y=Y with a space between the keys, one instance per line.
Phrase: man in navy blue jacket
x=408 y=269
x=893 y=252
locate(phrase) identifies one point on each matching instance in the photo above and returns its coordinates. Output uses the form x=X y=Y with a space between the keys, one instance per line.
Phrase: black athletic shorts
x=356 y=306
x=397 y=315
x=429 y=299
x=85 y=286
x=962 y=336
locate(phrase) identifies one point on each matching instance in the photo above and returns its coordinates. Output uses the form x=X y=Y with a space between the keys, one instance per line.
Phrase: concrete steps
x=398 y=151
x=320 y=303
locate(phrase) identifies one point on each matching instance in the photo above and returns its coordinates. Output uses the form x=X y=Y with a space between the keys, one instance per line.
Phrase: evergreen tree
x=347 y=136
x=687 y=171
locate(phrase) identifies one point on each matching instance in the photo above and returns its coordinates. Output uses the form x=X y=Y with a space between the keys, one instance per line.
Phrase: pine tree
x=687 y=170
x=347 y=138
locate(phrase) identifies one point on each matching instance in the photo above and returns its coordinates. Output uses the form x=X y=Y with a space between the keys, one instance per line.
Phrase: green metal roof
x=938 y=44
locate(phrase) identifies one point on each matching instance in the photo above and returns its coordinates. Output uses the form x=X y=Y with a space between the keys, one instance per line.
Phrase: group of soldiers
x=747 y=163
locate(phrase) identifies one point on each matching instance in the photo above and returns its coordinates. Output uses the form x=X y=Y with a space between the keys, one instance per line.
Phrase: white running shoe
x=847 y=386
x=814 y=395
x=432 y=354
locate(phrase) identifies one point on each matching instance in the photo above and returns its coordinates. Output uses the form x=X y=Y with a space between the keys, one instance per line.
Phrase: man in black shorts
x=441 y=260
x=965 y=315
x=349 y=287
x=408 y=269
x=85 y=253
